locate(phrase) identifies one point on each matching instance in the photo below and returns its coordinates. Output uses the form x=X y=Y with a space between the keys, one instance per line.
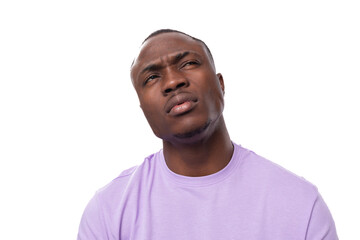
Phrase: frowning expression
x=179 y=91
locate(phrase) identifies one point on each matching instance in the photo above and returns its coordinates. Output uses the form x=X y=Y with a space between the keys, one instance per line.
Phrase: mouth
x=180 y=104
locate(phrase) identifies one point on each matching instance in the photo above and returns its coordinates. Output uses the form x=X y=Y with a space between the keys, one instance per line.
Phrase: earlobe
x=221 y=81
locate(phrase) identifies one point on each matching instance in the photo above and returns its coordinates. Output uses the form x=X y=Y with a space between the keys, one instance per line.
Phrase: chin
x=193 y=135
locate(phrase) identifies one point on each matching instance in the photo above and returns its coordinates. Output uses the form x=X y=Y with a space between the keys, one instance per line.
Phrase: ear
x=221 y=81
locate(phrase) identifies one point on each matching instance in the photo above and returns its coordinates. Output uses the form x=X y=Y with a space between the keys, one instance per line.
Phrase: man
x=201 y=185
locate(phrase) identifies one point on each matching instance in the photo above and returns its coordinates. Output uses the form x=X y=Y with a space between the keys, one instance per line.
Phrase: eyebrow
x=174 y=60
x=179 y=56
x=151 y=67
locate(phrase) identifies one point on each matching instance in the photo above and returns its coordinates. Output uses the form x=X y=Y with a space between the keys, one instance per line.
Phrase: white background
x=70 y=120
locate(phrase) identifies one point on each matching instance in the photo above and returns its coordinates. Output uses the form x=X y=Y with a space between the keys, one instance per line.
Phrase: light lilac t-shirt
x=251 y=198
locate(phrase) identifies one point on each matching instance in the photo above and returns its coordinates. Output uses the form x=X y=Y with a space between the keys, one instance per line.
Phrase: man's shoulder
x=276 y=177
x=118 y=185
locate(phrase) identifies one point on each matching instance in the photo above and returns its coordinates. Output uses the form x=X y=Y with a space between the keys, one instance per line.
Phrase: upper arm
x=321 y=224
x=92 y=225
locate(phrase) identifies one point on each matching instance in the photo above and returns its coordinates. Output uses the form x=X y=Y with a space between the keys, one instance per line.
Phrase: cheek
x=217 y=100
x=214 y=93
x=148 y=103
x=151 y=117
x=152 y=114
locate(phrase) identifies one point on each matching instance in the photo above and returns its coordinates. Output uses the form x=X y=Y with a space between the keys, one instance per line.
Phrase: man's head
x=179 y=91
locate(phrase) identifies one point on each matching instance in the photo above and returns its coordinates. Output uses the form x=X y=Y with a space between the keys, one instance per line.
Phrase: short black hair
x=167 y=30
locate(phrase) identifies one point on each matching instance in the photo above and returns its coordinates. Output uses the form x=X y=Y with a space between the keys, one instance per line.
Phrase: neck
x=203 y=157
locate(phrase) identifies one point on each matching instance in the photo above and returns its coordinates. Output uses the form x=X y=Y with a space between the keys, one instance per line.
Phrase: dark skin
x=182 y=98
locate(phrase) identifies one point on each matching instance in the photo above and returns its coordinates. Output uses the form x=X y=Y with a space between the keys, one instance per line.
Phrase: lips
x=180 y=103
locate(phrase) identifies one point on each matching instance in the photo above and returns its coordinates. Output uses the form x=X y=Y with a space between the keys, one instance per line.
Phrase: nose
x=173 y=81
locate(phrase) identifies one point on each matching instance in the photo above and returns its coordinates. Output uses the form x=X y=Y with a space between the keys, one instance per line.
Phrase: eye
x=150 y=78
x=190 y=64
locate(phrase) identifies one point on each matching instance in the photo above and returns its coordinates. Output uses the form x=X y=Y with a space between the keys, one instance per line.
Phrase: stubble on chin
x=193 y=133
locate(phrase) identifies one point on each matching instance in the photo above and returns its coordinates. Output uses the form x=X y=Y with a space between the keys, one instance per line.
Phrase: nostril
x=174 y=87
x=180 y=85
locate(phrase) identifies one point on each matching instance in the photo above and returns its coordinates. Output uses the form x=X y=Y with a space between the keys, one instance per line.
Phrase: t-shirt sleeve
x=321 y=224
x=91 y=225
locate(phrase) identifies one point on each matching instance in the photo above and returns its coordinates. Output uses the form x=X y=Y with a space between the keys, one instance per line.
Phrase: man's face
x=179 y=91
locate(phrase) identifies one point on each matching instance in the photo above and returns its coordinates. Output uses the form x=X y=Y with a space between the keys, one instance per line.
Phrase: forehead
x=159 y=47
